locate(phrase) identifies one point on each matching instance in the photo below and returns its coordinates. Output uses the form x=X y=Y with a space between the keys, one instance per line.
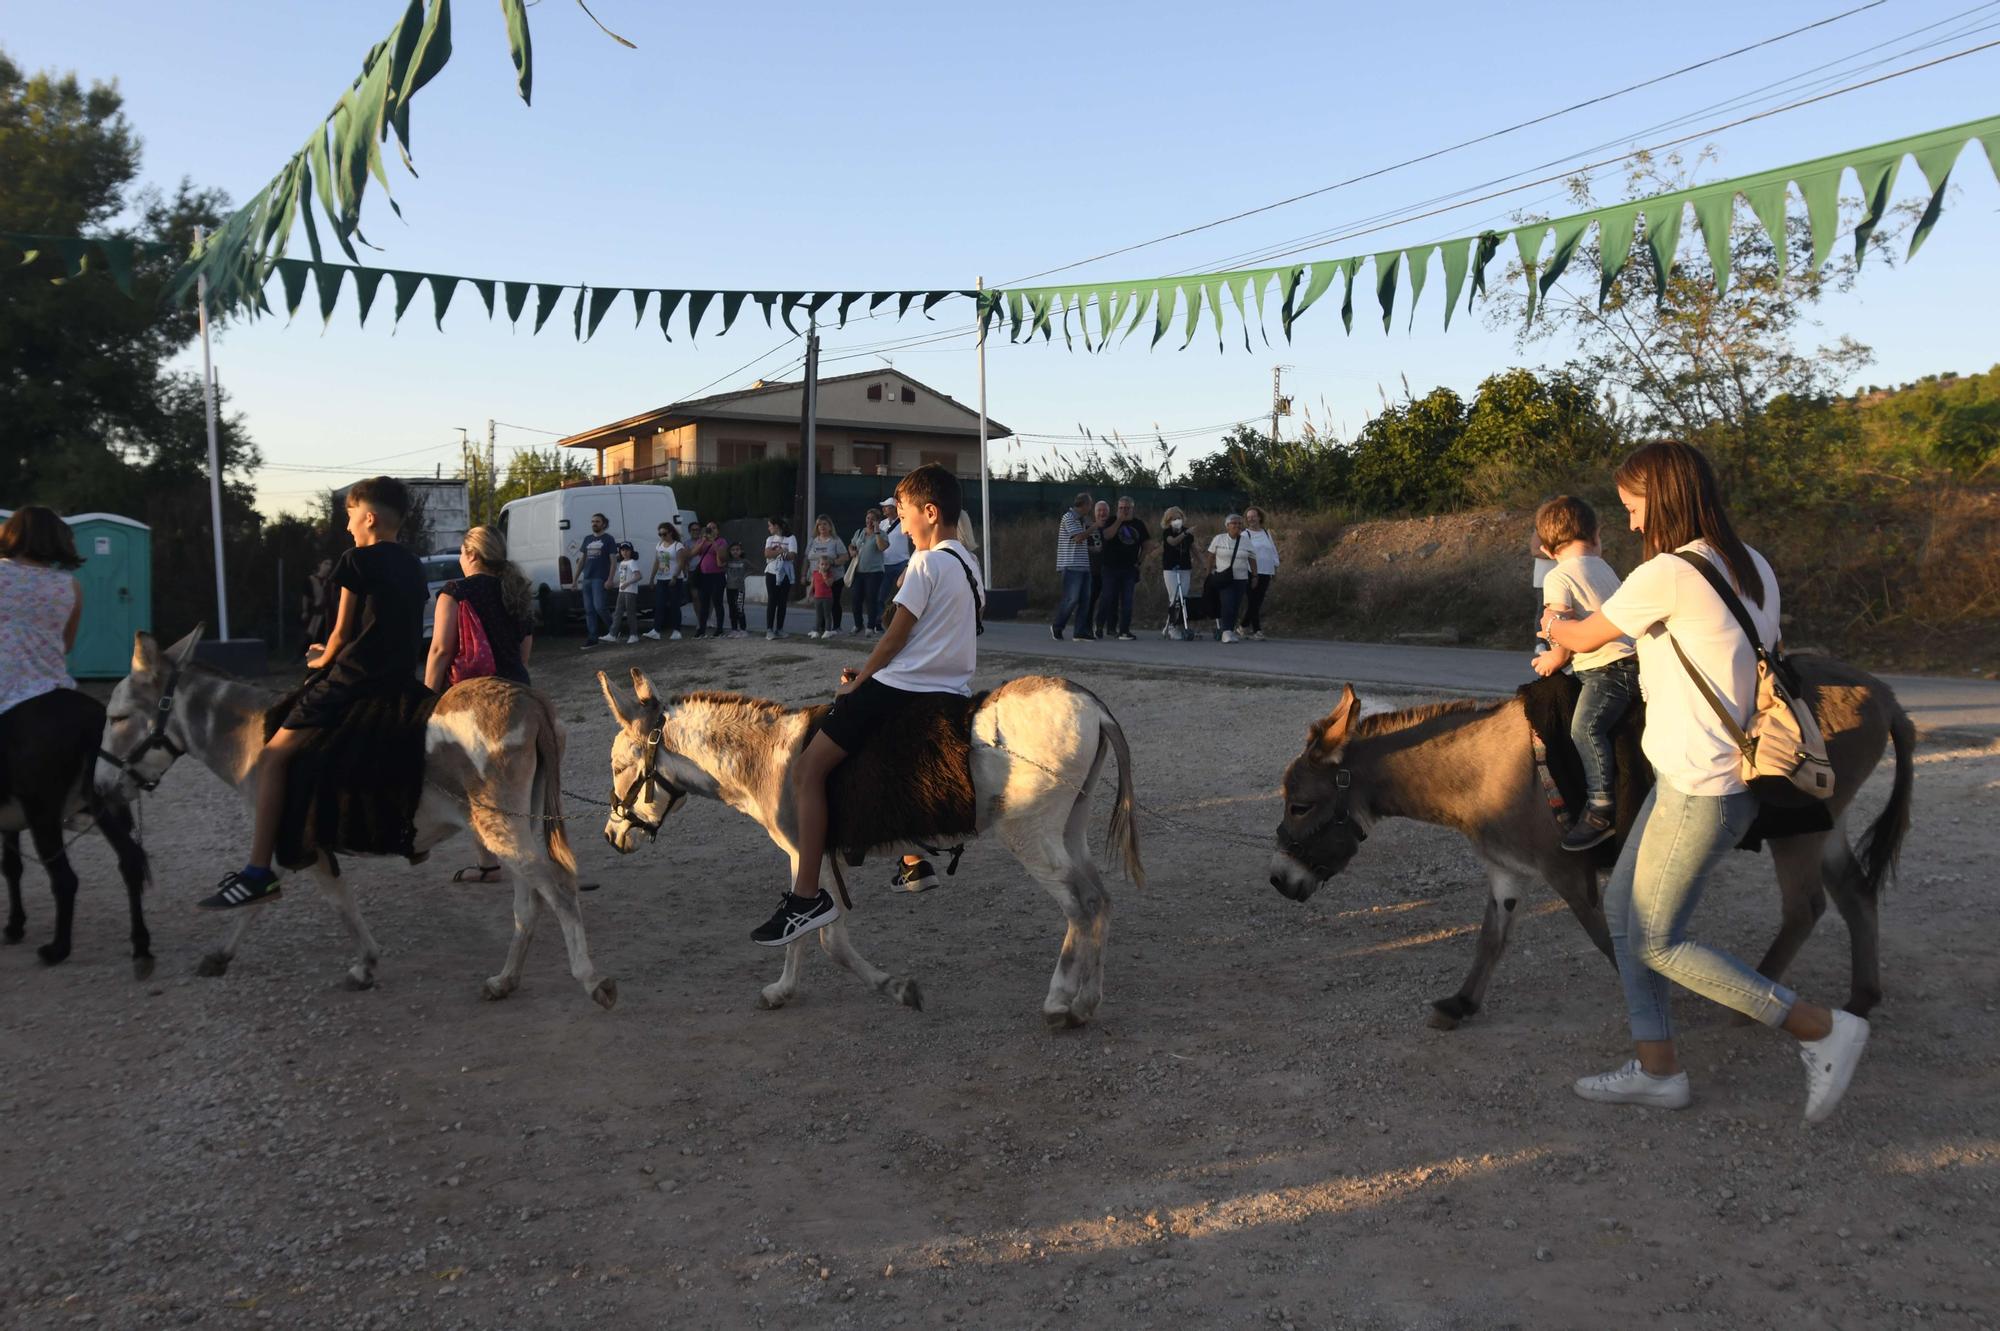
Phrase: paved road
x=1968 y=708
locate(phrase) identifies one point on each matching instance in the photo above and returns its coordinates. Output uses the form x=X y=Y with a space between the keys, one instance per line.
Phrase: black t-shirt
x=1177 y=556
x=389 y=579
x=482 y=592
x=1094 y=543
x=1123 y=542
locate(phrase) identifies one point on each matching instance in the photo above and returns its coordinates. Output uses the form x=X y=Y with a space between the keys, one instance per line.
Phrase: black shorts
x=322 y=704
x=862 y=711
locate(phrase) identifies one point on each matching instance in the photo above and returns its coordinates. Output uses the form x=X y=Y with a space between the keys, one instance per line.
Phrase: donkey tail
x=1124 y=830
x=548 y=776
x=1883 y=842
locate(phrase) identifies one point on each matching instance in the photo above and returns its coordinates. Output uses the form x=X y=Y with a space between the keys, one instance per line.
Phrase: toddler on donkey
x=930 y=647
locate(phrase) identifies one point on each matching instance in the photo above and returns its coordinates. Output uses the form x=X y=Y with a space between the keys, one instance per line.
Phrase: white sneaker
x=654 y=634
x=770 y=637
x=632 y=641
x=1231 y=636
x=676 y=637
x=831 y=633
x=1830 y=1064
x=1633 y=1085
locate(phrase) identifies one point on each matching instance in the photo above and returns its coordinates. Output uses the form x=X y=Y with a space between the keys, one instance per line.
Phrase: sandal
x=477 y=873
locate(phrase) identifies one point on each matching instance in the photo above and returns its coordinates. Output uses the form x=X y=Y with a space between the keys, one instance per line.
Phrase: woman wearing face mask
x=1177 y=567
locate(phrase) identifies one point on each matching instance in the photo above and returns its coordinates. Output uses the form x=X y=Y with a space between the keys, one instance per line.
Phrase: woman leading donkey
x=1699 y=808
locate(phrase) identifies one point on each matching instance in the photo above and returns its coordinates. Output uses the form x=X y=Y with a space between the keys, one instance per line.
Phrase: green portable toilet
x=117 y=578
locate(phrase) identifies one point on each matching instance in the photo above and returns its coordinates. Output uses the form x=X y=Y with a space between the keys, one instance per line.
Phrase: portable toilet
x=117 y=579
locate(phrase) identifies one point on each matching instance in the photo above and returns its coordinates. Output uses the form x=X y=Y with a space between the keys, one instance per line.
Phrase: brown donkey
x=1468 y=766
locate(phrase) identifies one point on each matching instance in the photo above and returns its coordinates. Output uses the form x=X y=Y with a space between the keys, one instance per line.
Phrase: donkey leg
x=1508 y=889
x=834 y=941
x=1085 y=907
x=361 y=973
x=561 y=898
x=10 y=867
x=527 y=910
x=1801 y=900
x=115 y=821
x=1847 y=883
x=48 y=839
x=216 y=961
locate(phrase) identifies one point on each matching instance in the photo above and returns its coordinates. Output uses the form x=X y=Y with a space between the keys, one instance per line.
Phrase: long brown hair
x=490 y=549
x=1683 y=504
x=39 y=534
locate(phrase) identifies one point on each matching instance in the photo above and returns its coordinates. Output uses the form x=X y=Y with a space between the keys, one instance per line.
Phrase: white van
x=544 y=535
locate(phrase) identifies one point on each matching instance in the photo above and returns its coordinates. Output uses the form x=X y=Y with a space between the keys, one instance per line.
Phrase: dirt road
x=1259 y=1129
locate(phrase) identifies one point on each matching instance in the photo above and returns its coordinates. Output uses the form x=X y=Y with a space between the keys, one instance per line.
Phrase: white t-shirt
x=1246 y=552
x=1685 y=740
x=1265 y=547
x=898 y=550
x=1584 y=584
x=671 y=559
x=781 y=567
x=628 y=575
x=943 y=648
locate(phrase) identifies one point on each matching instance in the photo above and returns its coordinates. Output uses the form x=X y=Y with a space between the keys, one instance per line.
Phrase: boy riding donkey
x=376 y=643
x=930 y=647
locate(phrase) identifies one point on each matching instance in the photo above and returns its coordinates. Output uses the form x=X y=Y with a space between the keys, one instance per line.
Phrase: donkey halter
x=156 y=738
x=641 y=786
x=1343 y=781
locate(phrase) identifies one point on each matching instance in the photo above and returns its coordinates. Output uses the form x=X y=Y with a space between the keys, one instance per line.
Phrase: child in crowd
x=826 y=611
x=1578 y=587
x=930 y=647
x=734 y=570
x=376 y=643
x=627 y=611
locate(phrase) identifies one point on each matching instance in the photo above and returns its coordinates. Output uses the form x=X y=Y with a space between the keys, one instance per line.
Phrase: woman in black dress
x=498 y=593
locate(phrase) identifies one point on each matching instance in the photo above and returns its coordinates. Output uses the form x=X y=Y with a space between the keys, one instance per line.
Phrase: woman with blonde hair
x=825 y=545
x=1177 y=568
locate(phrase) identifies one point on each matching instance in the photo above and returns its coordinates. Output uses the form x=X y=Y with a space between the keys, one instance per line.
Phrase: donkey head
x=1321 y=829
x=641 y=794
x=143 y=732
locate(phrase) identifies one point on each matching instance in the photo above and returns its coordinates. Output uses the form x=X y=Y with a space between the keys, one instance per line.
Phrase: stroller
x=1177 y=627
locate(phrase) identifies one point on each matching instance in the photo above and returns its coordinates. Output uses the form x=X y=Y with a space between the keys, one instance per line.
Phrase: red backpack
x=475 y=654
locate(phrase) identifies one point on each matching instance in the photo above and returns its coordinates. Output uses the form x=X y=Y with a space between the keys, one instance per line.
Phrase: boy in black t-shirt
x=376 y=642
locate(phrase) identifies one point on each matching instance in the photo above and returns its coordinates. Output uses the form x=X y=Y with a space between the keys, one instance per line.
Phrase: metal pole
x=492 y=478
x=214 y=449
x=812 y=441
x=985 y=472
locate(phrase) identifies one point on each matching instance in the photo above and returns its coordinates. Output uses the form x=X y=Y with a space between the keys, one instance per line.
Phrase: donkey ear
x=611 y=699
x=642 y=688
x=183 y=651
x=1326 y=737
x=145 y=653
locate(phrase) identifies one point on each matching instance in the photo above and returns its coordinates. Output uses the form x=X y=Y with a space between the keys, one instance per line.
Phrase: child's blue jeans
x=1607 y=695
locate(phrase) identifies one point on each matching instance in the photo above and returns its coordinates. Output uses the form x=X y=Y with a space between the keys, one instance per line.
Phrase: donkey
x=1038 y=744
x=48 y=751
x=493 y=762
x=1468 y=766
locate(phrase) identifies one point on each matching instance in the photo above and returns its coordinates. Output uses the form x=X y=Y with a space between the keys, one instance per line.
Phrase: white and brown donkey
x=1037 y=747
x=493 y=762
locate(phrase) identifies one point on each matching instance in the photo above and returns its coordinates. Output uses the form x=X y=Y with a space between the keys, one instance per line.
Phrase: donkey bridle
x=641 y=787
x=156 y=738
x=1343 y=782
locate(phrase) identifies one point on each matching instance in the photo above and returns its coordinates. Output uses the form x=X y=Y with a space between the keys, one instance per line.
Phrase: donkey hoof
x=52 y=954
x=359 y=983
x=1862 y=1002
x=605 y=994
x=142 y=967
x=771 y=997
x=1447 y=1013
x=496 y=988
x=213 y=963
x=15 y=933
x=905 y=991
x=1062 y=1019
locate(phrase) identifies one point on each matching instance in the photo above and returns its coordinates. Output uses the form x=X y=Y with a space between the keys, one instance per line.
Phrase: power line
x=1440 y=152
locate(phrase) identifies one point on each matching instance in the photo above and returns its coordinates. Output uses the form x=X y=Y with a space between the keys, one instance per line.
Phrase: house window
x=736 y=452
x=823 y=457
x=874 y=392
x=909 y=395
x=949 y=461
x=870 y=459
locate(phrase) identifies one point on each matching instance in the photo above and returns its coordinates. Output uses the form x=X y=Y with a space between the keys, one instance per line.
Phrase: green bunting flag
x=1028 y=310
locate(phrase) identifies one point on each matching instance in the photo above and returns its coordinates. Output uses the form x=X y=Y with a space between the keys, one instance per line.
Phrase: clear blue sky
x=922 y=145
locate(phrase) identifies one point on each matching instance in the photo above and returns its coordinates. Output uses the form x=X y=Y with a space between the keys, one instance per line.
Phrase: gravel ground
x=1259 y=1129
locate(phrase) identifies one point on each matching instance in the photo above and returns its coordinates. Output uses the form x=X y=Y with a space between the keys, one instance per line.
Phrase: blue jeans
x=1114 y=606
x=867 y=601
x=1229 y=596
x=1676 y=844
x=667 y=596
x=1607 y=695
x=596 y=615
x=1075 y=601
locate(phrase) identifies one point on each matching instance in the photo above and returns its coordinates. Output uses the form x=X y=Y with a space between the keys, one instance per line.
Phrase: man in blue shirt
x=599 y=562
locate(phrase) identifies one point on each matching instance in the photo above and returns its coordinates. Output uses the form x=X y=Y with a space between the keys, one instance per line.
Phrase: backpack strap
x=978 y=601
x=1735 y=604
x=1708 y=570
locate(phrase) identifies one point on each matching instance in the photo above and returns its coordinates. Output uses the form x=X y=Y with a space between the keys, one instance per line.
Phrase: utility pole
x=1280 y=404
x=214 y=450
x=492 y=476
x=985 y=471
x=808 y=491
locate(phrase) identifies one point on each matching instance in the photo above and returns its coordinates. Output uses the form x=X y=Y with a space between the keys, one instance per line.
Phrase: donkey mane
x=1387 y=723
x=716 y=697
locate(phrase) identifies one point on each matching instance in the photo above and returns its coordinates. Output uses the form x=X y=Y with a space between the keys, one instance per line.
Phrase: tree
x=534 y=470
x=1528 y=436
x=1403 y=457
x=1309 y=471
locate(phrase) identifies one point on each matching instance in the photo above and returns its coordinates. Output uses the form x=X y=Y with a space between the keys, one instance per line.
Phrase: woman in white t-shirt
x=1264 y=548
x=1232 y=563
x=1699 y=808
x=780 y=548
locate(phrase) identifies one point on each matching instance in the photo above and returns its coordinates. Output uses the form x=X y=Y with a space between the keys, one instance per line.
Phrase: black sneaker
x=918 y=877
x=235 y=890
x=794 y=918
x=1055 y=633
x=1593 y=827
x=588 y=643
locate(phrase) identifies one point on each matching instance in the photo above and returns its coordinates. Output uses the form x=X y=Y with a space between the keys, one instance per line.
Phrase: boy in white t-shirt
x=930 y=647
x=1578 y=586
